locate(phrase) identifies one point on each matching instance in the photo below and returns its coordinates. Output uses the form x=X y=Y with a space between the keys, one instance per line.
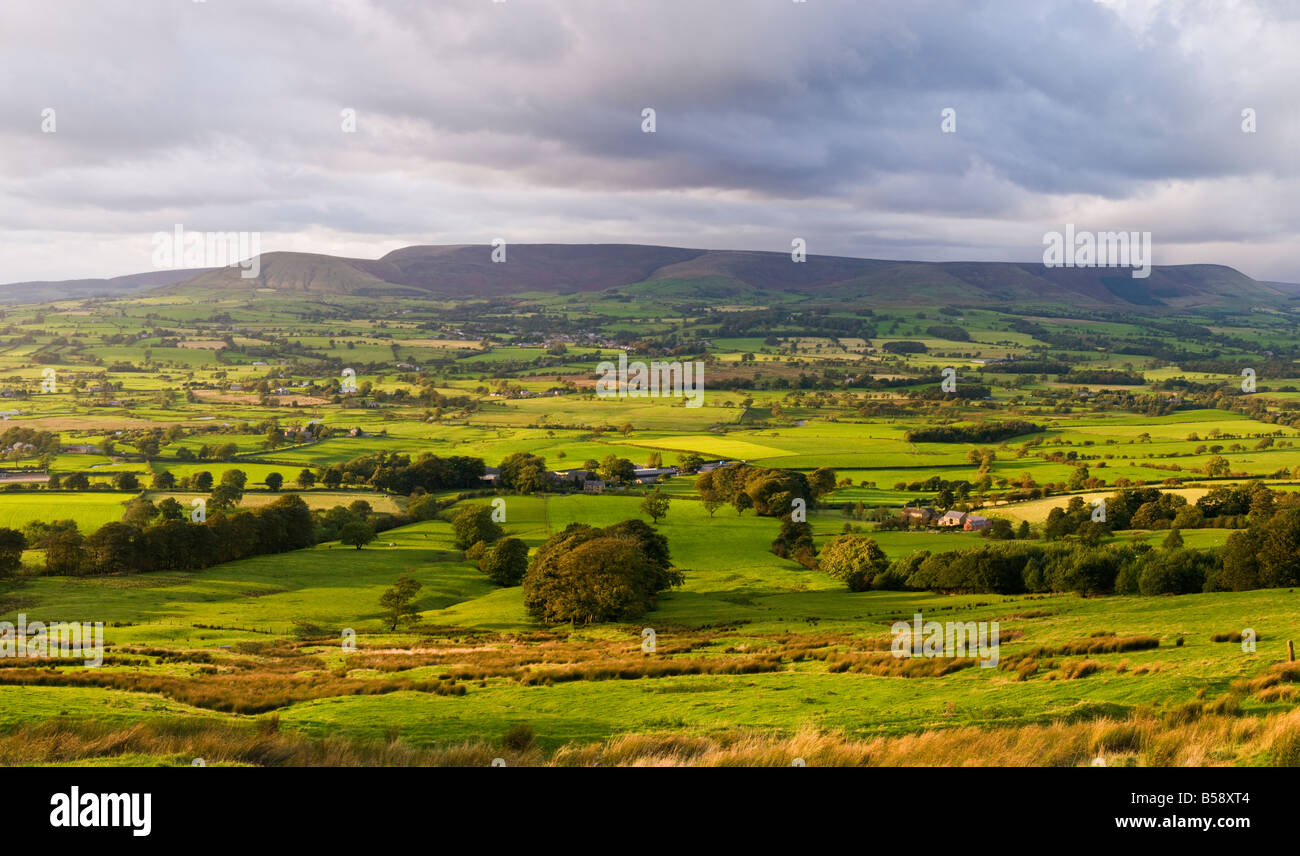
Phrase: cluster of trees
x=587 y=574
x=502 y=559
x=979 y=432
x=1225 y=507
x=161 y=537
x=904 y=347
x=399 y=474
x=28 y=442
x=770 y=492
x=1101 y=377
x=525 y=473
x=355 y=525
x=795 y=541
x=1264 y=555
x=951 y=332
x=1017 y=567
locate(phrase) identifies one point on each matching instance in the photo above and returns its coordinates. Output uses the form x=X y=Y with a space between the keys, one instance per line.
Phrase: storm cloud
x=523 y=119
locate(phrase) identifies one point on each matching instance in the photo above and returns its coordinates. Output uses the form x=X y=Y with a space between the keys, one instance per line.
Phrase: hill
x=468 y=271
x=118 y=286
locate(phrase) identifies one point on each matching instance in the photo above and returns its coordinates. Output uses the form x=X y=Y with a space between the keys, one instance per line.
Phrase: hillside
x=23 y=292
x=468 y=271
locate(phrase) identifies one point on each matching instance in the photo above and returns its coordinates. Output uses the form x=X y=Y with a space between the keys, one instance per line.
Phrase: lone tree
x=397 y=602
x=273 y=481
x=655 y=505
x=306 y=479
x=585 y=574
x=474 y=523
x=356 y=533
x=505 y=562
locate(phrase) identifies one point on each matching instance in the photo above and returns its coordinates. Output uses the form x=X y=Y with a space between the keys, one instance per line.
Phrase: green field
x=753 y=644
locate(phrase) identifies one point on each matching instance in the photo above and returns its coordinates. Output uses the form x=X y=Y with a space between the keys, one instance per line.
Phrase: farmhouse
x=976 y=523
x=919 y=516
x=952 y=518
x=573 y=478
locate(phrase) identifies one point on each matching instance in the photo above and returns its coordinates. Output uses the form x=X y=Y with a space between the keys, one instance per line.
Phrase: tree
x=63 y=551
x=795 y=541
x=423 y=507
x=163 y=480
x=357 y=533
x=474 y=523
x=111 y=549
x=712 y=504
x=855 y=560
x=203 y=481
x=1174 y=571
x=1000 y=530
x=585 y=574
x=12 y=544
x=274 y=481
x=77 y=481
x=225 y=496
x=306 y=479
x=617 y=470
x=505 y=562
x=822 y=481
x=170 y=509
x=689 y=462
x=655 y=505
x=1173 y=541
x=235 y=478
x=126 y=481
x=139 y=512
x=525 y=473
x=398 y=602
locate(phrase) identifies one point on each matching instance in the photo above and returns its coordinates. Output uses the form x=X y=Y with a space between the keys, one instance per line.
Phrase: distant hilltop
x=468 y=271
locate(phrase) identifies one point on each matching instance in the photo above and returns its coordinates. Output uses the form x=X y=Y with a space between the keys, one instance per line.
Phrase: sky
x=523 y=119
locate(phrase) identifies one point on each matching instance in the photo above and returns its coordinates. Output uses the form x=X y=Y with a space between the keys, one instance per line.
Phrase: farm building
x=920 y=515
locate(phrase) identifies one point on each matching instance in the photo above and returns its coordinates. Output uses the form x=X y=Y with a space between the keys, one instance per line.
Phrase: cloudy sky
x=773 y=120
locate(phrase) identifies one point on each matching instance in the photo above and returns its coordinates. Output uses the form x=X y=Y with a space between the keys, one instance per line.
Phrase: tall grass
x=1208 y=736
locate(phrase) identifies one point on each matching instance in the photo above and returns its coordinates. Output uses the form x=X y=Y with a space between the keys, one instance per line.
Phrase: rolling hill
x=460 y=271
x=23 y=292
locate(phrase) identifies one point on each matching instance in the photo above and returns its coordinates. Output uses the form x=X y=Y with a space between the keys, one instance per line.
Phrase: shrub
x=519 y=738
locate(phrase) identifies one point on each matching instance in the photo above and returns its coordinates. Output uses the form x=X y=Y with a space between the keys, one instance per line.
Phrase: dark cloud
x=523 y=119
